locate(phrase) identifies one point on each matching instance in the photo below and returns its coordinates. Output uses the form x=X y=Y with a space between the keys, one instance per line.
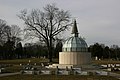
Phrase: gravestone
x=0 y=70
x=45 y=72
x=96 y=58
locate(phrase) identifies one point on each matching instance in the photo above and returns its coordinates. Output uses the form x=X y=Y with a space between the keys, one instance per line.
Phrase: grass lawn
x=15 y=64
x=16 y=68
x=39 y=60
x=55 y=77
x=105 y=62
x=23 y=61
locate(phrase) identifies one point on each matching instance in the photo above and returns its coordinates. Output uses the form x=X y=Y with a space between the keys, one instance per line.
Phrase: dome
x=75 y=43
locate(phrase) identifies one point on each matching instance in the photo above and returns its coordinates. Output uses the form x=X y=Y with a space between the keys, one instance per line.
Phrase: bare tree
x=4 y=28
x=12 y=39
x=46 y=24
x=9 y=38
x=15 y=34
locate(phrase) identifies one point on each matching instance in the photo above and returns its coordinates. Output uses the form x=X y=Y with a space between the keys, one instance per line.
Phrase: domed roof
x=75 y=43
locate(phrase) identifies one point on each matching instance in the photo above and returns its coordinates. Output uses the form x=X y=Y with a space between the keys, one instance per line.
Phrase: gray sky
x=98 y=20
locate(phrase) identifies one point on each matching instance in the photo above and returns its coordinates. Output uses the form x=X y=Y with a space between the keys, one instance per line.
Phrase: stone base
x=62 y=66
x=74 y=58
x=83 y=67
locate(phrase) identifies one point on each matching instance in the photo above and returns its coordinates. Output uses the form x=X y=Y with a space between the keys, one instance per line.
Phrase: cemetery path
x=114 y=75
x=9 y=74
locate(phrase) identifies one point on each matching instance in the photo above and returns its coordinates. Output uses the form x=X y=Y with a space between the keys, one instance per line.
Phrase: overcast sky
x=98 y=20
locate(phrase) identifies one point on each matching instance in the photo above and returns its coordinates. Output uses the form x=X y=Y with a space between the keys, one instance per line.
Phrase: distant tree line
x=37 y=50
x=34 y=50
x=9 y=40
x=104 y=52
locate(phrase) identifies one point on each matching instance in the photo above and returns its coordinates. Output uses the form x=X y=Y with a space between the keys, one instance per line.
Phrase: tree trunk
x=50 y=54
x=50 y=50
